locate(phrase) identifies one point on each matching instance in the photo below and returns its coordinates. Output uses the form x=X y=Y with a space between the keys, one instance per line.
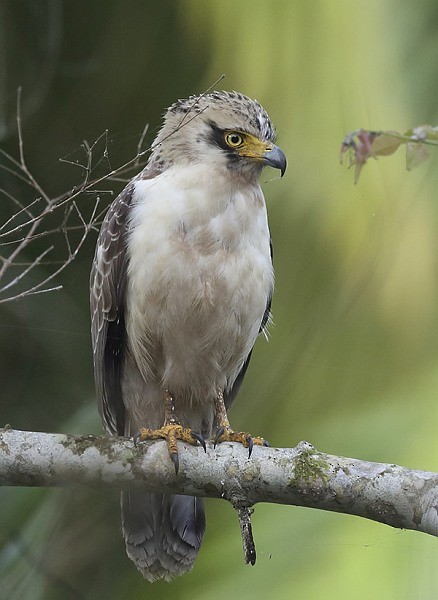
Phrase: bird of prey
x=181 y=286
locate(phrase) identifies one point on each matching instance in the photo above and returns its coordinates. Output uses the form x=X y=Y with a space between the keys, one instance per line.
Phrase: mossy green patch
x=310 y=466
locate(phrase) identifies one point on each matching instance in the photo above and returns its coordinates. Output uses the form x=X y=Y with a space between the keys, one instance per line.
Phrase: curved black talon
x=250 y=445
x=136 y=438
x=266 y=444
x=219 y=432
x=175 y=459
x=199 y=438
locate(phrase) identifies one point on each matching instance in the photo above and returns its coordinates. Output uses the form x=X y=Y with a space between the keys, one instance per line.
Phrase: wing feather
x=107 y=300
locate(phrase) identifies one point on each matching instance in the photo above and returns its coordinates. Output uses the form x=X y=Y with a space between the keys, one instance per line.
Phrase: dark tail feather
x=163 y=533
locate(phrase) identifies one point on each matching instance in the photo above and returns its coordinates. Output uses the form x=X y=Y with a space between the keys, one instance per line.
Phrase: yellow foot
x=226 y=434
x=171 y=432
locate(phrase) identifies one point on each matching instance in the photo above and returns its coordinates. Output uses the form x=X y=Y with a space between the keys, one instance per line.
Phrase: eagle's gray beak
x=275 y=158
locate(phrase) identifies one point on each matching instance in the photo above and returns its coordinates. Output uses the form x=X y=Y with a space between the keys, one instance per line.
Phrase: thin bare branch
x=24 y=242
x=43 y=234
x=35 y=292
x=16 y=174
x=140 y=144
x=72 y=253
x=22 y=208
x=20 y=235
x=26 y=271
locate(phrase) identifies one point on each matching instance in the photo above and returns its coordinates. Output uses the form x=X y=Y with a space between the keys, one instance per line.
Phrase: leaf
x=387 y=143
x=416 y=153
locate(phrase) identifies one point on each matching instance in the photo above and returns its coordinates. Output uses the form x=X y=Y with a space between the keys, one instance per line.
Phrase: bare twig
x=26 y=271
x=41 y=286
x=140 y=144
x=22 y=208
x=30 y=221
x=244 y=515
x=18 y=232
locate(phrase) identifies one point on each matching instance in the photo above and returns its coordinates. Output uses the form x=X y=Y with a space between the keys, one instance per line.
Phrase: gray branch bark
x=301 y=476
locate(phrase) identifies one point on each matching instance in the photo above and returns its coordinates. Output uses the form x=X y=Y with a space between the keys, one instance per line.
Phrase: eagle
x=181 y=286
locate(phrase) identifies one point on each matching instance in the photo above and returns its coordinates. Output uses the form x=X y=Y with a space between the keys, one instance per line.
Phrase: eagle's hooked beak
x=275 y=158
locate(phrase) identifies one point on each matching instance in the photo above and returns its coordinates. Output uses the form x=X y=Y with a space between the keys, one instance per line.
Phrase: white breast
x=200 y=275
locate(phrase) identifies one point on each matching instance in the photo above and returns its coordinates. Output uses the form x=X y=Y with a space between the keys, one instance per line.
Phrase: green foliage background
x=351 y=364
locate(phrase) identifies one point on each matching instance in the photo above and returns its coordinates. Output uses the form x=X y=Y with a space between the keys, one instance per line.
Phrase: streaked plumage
x=181 y=286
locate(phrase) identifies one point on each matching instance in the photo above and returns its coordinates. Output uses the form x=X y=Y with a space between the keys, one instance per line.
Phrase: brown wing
x=107 y=299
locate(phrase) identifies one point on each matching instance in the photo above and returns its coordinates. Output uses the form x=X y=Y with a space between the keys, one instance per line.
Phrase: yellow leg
x=226 y=434
x=172 y=431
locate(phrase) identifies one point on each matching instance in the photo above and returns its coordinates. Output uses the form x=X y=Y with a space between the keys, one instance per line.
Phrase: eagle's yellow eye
x=234 y=139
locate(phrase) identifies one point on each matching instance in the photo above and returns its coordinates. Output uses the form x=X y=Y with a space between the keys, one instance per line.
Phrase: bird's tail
x=163 y=533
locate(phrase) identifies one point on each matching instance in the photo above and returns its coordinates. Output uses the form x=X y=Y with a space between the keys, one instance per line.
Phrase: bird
x=180 y=288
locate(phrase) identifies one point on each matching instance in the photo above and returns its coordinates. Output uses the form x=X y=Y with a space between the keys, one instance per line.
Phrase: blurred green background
x=352 y=361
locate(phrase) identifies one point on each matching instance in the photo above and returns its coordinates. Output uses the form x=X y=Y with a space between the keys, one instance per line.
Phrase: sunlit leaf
x=415 y=154
x=387 y=143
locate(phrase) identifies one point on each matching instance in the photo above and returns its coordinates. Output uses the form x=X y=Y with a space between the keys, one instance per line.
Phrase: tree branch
x=301 y=476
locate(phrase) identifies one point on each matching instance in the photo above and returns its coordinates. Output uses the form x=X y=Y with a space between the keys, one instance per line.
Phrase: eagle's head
x=220 y=129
